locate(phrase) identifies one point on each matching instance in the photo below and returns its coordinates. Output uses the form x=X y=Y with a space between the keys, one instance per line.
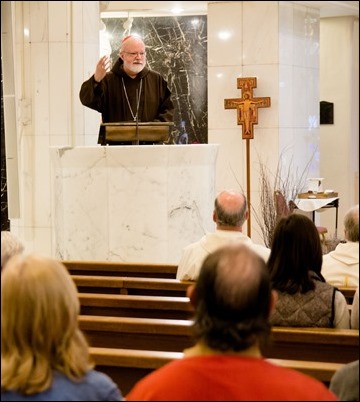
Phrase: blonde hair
x=39 y=325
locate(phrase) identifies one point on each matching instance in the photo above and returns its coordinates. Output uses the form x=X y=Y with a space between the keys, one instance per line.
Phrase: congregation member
x=44 y=354
x=232 y=298
x=341 y=266
x=305 y=299
x=345 y=382
x=10 y=245
x=230 y=214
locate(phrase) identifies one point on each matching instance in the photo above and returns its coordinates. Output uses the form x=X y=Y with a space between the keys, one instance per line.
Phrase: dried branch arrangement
x=277 y=191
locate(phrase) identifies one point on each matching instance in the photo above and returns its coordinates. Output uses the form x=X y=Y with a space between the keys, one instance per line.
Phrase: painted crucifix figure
x=247 y=106
x=247 y=116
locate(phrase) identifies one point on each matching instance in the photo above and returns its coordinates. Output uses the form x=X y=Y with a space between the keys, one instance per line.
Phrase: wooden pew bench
x=131 y=286
x=113 y=268
x=127 y=366
x=312 y=344
x=323 y=344
x=348 y=292
x=178 y=308
x=137 y=333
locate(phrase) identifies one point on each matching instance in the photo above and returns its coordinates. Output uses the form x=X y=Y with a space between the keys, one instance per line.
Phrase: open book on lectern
x=134 y=132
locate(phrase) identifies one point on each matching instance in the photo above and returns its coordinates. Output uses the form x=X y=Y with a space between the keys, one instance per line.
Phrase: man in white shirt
x=341 y=266
x=230 y=213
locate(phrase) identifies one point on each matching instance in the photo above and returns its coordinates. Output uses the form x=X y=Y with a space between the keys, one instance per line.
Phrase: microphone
x=137 y=117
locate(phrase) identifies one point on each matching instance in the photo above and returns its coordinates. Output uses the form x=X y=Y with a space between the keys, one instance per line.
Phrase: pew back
x=348 y=292
x=131 y=286
x=178 y=308
x=127 y=366
x=311 y=344
x=114 y=268
x=323 y=344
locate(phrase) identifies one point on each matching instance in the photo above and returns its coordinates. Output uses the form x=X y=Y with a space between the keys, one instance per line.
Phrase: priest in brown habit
x=129 y=91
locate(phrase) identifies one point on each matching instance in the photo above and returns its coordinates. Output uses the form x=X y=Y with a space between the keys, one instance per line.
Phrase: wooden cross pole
x=247 y=116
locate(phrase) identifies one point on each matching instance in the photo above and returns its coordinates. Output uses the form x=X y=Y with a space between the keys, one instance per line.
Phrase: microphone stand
x=137 y=118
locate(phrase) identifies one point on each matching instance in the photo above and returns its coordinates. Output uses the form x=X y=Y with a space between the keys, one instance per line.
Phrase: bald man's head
x=230 y=209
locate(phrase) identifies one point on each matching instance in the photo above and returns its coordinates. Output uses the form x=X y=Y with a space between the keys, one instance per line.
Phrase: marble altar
x=131 y=203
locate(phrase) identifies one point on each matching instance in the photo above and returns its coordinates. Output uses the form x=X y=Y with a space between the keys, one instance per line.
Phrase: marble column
x=56 y=47
x=277 y=42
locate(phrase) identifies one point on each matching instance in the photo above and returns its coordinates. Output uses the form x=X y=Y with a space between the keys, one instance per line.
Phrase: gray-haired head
x=10 y=245
x=351 y=224
x=230 y=209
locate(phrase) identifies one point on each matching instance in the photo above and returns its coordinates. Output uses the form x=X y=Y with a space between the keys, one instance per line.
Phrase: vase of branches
x=277 y=191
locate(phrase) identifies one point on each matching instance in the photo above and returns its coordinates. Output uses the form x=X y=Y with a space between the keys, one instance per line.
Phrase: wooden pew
x=114 y=268
x=127 y=366
x=137 y=333
x=178 y=308
x=131 y=286
x=348 y=292
x=320 y=344
x=311 y=344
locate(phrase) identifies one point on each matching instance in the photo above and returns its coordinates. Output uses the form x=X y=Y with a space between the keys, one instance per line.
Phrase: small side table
x=310 y=202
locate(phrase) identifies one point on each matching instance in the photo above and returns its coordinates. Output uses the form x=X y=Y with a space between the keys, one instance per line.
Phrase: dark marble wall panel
x=5 y=223
x=176 y=47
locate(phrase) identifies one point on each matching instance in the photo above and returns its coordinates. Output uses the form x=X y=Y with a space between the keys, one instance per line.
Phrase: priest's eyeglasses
x=134 y=54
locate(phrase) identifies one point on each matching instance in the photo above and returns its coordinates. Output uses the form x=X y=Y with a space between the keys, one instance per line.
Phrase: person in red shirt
x=233 y=300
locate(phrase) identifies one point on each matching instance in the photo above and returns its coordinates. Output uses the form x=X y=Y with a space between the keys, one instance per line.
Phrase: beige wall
x=339 y=83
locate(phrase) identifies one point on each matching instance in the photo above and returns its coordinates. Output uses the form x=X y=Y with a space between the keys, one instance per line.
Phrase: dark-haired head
x=295 y=251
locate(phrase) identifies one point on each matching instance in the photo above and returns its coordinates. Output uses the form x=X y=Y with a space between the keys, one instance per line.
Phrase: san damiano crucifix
x=247 y=116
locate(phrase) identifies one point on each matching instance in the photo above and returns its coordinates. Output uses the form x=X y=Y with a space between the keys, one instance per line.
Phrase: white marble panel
x=131 y=203
x=222 y=83
x=231 y=168
x=313 y=44
x=286 y=33
x=64 y=140
x=59 y=17
x=77 y=20
x=313 y=97
x=35 y=181
x=260 y=32
x=80 y=203
x=286 y=96
x=91 y=18
x=60 y=89
x=301 y=99
x=40 y=90
x=224 y=43
x=299 y=34
x=38 y=22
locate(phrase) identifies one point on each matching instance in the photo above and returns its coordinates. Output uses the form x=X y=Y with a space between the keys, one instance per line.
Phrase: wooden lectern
x=133 y=132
